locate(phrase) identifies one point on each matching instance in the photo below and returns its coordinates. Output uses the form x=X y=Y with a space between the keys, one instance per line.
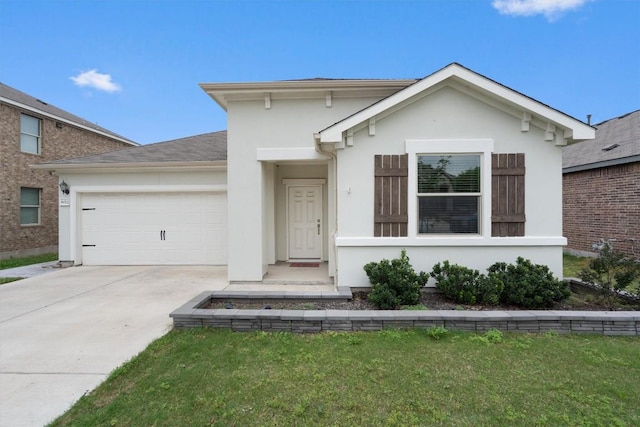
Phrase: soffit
x=222 y=93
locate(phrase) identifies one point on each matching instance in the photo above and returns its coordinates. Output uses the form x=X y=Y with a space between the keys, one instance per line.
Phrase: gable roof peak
x=575 y=129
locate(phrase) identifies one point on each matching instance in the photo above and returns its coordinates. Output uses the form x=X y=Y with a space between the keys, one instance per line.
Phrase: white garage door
x=154 y=229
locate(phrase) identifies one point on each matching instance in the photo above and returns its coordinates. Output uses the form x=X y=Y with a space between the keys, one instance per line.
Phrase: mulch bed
x=433 y=301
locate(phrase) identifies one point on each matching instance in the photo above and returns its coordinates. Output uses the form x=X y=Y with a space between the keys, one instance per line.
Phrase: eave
x=132 y=167
x=66 y=121
x=602 y=164
x=222 y=93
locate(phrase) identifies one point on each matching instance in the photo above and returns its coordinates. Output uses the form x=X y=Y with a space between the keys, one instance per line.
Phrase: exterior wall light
x=64 y=187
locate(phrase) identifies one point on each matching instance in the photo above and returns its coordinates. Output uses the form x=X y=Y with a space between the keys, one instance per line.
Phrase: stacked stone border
x=191 y=315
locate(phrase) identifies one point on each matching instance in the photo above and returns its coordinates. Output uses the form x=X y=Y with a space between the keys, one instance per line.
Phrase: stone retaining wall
x=597 y=322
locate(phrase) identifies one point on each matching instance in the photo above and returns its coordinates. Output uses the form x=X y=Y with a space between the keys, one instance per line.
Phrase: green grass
x=4 y=280
x=34 y=259
x=572 y=265
x=204 y=377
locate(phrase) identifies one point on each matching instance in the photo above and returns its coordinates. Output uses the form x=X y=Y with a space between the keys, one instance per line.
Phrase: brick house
x=33 y=131
x=601 y=187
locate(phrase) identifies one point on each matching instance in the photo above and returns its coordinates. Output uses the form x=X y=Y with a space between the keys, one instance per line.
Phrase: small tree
x=611 y=270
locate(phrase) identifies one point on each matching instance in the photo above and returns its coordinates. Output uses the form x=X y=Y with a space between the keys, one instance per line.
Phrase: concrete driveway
x=63 y=332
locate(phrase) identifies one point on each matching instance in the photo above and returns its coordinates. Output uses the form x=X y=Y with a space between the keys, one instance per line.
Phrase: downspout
x=334 y=158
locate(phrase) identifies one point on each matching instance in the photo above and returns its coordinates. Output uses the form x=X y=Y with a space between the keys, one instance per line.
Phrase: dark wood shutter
x=390 y=211
x=507 y=195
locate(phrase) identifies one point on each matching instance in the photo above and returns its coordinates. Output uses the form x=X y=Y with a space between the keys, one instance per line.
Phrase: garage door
x=154 y=229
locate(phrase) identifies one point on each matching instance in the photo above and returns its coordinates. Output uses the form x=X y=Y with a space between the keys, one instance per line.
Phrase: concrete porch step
x=280 y=291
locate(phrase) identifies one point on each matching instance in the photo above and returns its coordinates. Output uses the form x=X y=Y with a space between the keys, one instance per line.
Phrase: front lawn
x=204 y=377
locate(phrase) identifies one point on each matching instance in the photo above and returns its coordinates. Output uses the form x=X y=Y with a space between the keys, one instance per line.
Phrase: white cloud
x=551 y=9
x=96 y=80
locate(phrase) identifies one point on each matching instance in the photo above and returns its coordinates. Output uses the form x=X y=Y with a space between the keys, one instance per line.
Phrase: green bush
x=466 y=286
x=523 y=284
x=394 y=283
x=529 y=285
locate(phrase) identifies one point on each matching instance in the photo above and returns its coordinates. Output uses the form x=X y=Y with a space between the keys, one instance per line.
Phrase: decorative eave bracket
x=350 y=138
x=526 y=120
x=554 y=135
x=550 y=132
x=267 y=101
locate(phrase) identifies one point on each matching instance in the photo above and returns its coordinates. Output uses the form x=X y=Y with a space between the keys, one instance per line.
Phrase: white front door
x=305 y=222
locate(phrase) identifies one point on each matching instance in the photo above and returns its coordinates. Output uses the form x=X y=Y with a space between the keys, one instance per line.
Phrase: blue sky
x=134 y=66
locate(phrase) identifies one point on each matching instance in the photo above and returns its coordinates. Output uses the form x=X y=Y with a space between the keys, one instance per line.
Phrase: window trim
x=39 y=206
x=483 y=147
x=475 y=194
x=38 y=136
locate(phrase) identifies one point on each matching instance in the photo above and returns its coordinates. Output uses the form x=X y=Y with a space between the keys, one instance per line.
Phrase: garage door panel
x=127 y=229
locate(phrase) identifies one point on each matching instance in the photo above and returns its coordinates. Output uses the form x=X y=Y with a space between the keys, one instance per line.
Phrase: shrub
x=394 y=283
x=524 y=284
x=529 y=285
x=466 y=286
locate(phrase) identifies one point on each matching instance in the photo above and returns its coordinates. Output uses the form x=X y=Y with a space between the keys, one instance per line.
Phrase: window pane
x=449 y=174
x=29 y=197
x=29 y=125
x=28 y=216
x=448 y=214
x=28 y=144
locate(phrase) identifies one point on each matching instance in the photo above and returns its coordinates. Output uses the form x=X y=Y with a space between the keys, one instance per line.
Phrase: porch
x=294 y=276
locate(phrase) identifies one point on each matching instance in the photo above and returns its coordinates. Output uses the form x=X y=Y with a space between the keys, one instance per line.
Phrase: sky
x=133 y=66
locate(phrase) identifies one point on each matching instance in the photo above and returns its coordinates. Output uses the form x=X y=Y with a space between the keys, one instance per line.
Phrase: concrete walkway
x=63 y=332
x=30 y=270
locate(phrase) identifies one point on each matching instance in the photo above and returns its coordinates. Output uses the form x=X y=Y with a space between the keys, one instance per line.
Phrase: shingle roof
x=206 y=147
x=617 y=141
x=17 y=97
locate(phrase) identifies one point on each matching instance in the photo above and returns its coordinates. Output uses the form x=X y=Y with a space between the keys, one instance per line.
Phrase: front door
x=305 y=222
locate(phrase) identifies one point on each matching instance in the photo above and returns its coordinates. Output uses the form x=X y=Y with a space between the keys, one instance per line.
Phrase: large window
x=29 y=134
x=29 y=206
x=449 y=193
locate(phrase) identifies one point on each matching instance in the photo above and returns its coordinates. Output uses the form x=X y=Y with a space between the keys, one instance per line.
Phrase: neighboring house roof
x=204 y=148
x=617 y=142
x=531 y=110
x=9 y=95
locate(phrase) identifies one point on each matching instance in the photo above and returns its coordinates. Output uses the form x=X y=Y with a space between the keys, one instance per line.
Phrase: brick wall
x=603 y=203
x=56 y=143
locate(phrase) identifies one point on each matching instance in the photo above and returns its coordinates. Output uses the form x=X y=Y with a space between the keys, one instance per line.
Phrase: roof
x=20 y=99
x=456 y=74
x=617 y=141
x=207 y=147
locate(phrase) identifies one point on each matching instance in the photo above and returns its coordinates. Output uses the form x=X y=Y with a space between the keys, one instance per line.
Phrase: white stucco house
x=454 y=166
